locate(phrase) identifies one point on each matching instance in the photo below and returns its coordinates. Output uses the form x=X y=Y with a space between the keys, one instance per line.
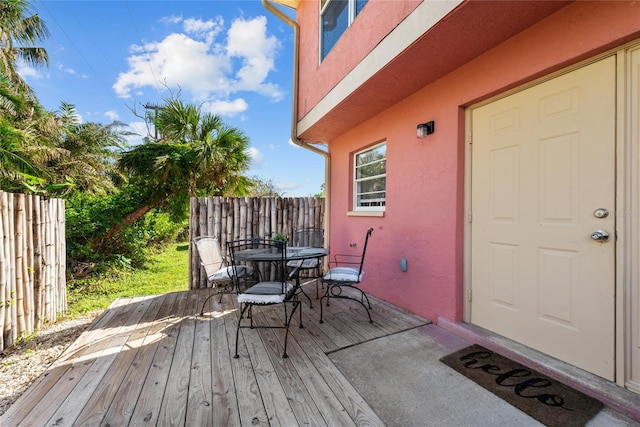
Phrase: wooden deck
x=152 y=361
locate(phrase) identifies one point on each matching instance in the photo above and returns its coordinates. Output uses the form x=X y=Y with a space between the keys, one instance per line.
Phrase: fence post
x=32 y=264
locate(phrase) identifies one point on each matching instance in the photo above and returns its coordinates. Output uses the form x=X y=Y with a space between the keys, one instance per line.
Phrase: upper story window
x=335 y=18
x=370 y=179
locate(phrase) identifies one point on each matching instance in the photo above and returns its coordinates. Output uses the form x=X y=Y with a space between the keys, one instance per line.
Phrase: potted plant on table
x=280 y=240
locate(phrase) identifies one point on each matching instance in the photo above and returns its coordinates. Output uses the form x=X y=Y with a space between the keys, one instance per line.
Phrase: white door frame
x=627 y=276
x=628 y=245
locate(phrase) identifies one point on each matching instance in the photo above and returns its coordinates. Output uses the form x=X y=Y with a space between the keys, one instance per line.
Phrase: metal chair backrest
x=313 y=237
x=364 y=250
x=210 y=253
x=273 y=270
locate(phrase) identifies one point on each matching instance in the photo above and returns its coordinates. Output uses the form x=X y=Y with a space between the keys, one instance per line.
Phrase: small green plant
x=279 y=238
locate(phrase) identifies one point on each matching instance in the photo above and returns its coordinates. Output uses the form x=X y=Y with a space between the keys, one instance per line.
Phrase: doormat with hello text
x=543 y=398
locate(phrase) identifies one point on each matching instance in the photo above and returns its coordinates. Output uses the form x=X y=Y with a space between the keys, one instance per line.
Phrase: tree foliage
x=263 y=188
x=45 y=152
x=120 y=199
x=19 y=31
x=195 y=153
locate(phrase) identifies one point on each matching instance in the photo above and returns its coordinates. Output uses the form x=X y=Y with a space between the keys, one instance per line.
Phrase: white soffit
x=425 y=16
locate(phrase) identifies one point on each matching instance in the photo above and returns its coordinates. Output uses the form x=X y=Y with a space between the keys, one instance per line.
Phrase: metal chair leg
x=363 y=296
x=307 y=296
x=204 y=304
x=335 y=291
x=326 y=295
x=244 y=309
x=286 y=334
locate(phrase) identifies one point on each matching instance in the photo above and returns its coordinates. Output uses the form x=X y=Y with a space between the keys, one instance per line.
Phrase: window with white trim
x=370 y=179
x=335 y=18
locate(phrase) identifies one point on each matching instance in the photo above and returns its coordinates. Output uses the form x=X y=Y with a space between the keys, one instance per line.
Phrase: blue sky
x=234 y=57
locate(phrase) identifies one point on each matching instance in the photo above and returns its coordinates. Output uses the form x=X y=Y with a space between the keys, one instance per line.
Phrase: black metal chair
x=219 y=273
x=346 y=273
x=274 y=290
x=310 y=268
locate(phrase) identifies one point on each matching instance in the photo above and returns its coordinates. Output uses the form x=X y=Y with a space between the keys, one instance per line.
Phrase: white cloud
x=27 y=71
x=209 y=71
x=256 y=157
x=71 y=71
x=173 y=19
x=112 y=115
x=226 y=108
x=207 y=30
x=178 y=60
x=248 y=41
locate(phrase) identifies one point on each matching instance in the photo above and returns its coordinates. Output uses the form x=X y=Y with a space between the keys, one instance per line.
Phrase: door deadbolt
x=601 y=213
x=600 y=236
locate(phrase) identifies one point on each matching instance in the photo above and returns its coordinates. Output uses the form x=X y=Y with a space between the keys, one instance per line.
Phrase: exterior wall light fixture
x=425 y=129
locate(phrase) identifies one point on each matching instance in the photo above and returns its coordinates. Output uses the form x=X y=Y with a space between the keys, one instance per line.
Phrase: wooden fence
x=246 y=217
x=32 y=264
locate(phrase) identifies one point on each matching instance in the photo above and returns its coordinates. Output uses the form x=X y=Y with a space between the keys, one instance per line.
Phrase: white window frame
x=323 y=5
x=356 y=203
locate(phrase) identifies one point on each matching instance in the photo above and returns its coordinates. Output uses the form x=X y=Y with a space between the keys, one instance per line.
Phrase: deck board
x=154 y=361
x=251 y=409
x=142 y=344
x=43 y=385
x=342 y=389
x=317 y=393
x=174 y=403
x=110 y=346
x=268 y=369
x=166 y=329
x=121 y=344
x=222 y=385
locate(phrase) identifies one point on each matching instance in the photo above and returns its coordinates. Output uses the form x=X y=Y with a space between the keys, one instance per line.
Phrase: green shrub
x=88 y=217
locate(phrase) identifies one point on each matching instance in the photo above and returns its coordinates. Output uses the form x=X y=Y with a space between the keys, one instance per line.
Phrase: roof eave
x=293 y=4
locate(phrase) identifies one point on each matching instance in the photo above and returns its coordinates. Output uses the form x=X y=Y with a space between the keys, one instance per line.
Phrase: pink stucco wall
x=371 y=26
x=425 y=218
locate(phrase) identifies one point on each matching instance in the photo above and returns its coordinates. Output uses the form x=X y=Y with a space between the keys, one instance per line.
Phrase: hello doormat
x=543 y=398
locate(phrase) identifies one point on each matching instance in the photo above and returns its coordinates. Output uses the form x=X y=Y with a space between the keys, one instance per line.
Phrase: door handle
x=600 y=235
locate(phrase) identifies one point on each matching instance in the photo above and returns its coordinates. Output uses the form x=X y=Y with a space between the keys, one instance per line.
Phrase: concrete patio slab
x=401 y=378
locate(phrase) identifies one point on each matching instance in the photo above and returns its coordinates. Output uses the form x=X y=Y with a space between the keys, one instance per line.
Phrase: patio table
x=294 y=253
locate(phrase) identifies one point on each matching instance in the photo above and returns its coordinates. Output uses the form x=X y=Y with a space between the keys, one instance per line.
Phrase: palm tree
x=219 y=151
x=14 y=162
x=18 y=104
x=19 y=30
x=53 y=154
x=15 y=136
x=86 y=152
x=196 y=154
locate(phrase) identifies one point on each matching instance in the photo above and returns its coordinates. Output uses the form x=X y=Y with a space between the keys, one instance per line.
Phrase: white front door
x=543 y=185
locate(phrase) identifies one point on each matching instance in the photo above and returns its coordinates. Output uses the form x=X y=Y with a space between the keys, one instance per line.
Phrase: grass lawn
x=167 y=271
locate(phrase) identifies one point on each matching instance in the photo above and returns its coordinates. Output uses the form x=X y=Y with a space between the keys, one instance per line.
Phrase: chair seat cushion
x=266 y=293
x=227 y=273
x=303 y=263
x=343 y=274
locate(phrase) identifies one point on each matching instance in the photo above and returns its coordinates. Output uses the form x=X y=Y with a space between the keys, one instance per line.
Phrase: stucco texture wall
x=425 y=217
x=372 y=25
